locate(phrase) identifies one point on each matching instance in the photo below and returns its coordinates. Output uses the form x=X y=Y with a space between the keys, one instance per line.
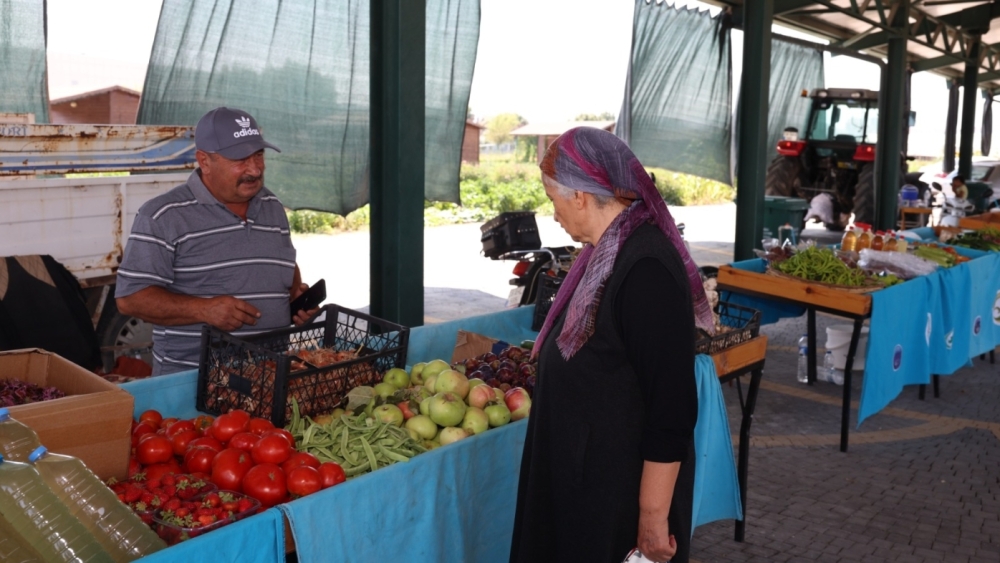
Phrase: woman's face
x=568 y=211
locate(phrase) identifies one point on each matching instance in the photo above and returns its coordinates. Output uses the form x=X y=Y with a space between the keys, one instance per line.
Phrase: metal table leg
x=845 y=412
x=921 y=393
x=937 y=386
x=744 y=453
x=812 y=345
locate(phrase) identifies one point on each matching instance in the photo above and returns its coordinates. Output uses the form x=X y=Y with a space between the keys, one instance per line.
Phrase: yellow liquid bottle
x=878 y=241
x=849 y=241
x=890 y=245
x=864 y=241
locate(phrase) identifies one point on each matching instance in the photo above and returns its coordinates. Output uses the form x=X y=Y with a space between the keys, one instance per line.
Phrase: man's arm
x=160 y=306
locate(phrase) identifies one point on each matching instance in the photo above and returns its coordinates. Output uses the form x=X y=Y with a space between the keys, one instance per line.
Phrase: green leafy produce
x=359 y=444
x=984 y=239
x=821 y=265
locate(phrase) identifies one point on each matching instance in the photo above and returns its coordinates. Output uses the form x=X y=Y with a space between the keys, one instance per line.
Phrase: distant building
x=114 y=105
x=547 y=132
x=470 y=142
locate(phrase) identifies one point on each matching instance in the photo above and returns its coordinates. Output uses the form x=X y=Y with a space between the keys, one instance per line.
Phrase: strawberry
x=212 y=500
x=206 y=519
x=172 y=504
x=146 y=498
x=182 y=512
x=244 y=504
x=168 y=480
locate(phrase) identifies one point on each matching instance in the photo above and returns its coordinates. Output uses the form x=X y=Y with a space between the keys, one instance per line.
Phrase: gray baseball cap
x=233 y=133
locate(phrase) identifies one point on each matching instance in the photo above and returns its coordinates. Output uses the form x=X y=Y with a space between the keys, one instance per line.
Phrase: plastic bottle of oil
x=17 y=441
x=13 y=548
x=865 y=238
x=42 y=520
x=878 y=241
x=849 y=241
x=901 y=244
x=122 y=534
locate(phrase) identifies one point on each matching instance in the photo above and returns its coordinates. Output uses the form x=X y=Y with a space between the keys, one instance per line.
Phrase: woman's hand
x=655 y=541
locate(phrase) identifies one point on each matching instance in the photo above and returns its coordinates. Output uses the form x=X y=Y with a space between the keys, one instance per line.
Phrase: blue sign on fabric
x=897 y=357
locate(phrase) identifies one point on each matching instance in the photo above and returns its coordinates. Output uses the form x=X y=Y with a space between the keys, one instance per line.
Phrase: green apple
x=430 y=444
x=413 y=434
x=423 y=426
x=385 y=390
x=420 y=392
x=451 y=381
x=434 y=367
x=389 y=414
x=475 y=381
x=430 y=382
x=425 y=407
x=451 y=434
x=475 y=421
x=498 y=392
x=397 y=377
x=447 y=409
x=498 y=414
x=417 y=373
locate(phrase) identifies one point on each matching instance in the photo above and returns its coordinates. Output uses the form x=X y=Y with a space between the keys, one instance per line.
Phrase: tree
x=606 y=116
x=498 y=128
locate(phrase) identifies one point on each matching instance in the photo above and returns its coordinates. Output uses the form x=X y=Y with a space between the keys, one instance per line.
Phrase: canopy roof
x=941 y=34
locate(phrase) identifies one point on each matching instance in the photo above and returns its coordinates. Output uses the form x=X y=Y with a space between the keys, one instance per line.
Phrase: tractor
x=833 y=164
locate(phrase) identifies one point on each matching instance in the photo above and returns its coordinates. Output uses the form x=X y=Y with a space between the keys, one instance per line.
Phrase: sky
x=546 y=60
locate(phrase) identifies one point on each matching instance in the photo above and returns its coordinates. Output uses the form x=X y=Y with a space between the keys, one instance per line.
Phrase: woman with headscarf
x=608 y=460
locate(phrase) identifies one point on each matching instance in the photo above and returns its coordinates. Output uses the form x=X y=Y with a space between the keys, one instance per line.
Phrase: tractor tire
x=864 y=196
x=783 y=177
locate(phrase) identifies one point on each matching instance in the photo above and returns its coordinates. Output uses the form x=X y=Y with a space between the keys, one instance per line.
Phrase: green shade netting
x=794 y=68
x=22 y=58
x=677 y=111
x=302 y=70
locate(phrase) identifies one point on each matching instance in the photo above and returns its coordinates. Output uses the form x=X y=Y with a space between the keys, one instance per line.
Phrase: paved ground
x=920 y=482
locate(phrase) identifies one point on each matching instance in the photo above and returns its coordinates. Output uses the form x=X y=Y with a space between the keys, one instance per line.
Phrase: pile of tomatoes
x=234 y=451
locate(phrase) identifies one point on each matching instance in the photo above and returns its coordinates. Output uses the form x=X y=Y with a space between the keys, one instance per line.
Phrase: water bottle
x=13 y=549
x=829 y=371
x=42 y=520
x=17 y=441
x=803 y=372
x=122 y=534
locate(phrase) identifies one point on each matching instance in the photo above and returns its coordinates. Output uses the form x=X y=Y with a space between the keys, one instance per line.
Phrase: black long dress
x=626 y=396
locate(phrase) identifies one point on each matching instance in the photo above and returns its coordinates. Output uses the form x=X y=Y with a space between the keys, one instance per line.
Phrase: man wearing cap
x=215 y=250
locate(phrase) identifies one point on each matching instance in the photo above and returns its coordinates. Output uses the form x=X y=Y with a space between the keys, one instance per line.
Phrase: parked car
x=984 y=169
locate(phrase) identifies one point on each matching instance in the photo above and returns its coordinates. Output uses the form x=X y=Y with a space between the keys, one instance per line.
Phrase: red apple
x=480 y=395
x=518 y=402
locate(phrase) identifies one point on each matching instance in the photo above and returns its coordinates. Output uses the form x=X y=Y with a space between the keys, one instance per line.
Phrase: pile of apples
x=439 y=405
x=512 y=367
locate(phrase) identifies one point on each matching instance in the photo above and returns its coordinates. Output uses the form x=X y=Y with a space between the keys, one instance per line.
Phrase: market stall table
x=455 y=503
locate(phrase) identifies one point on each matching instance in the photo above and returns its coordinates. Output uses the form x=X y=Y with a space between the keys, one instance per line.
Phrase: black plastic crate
x=262 y=373
x=743 y=322
x=513 y=230
x=548 y=287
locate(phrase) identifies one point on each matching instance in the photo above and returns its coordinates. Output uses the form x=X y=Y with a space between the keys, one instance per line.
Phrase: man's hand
x=301 y=317
x=655 y=540
x=229 y=313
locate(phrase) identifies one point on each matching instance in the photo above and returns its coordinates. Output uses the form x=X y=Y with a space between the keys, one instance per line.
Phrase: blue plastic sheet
x=771 y=311
x=717 y=489
x=452 y=504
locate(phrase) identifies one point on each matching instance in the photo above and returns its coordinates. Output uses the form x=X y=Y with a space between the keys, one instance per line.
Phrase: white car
x=986 y=170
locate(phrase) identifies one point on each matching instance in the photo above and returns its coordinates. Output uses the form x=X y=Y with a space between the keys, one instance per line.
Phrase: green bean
x=370 y=454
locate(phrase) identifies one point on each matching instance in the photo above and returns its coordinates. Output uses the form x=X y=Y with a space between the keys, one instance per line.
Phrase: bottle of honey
x=849 y=241
x=878 y=241
x=865 y=238
x=890 y=244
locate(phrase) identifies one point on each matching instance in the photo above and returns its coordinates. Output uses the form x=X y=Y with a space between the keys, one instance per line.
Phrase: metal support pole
x=951 y=127
x=970 y=84
x=752 y=157
x=889 y=152
x=397 y=160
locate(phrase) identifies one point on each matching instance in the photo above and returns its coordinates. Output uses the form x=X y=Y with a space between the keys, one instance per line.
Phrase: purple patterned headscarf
x=595 y=161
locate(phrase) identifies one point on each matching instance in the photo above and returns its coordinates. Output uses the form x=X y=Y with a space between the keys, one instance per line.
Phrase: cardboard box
x=92 y=422
x=469 y=345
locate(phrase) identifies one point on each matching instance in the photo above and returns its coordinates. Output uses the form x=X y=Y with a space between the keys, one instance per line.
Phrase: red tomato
x=266 y=483
x=229 y=467
x=158 y=470
x=299 y=459
x=166 y=422
x=243 y=441
x=178 y=427
x=225 y=427
x=151 y=417
x=271 y=448
x=241 y=415
x=284 y=433
x=199 y=459
x=181 y=440
x=140 y=430
x=202 y=422
x=304 y=481
x=260 y=425
x=154 y=449
x=208 y=442
x=332 y=474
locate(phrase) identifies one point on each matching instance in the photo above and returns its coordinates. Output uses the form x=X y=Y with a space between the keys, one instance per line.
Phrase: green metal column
x=396 y=179
x=970 y=84
x=889 y=165
x=752 y=157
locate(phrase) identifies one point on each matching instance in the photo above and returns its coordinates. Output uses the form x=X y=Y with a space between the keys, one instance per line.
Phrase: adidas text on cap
x=231 y=133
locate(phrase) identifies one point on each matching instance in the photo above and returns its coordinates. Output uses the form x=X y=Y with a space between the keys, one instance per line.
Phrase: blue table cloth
x=454 y=503
x=929 y=325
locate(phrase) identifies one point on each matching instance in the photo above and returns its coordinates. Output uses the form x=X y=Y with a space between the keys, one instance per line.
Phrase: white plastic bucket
x=838 y=340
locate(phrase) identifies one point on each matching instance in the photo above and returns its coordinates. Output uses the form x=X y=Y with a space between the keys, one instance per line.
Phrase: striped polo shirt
x=188 y=242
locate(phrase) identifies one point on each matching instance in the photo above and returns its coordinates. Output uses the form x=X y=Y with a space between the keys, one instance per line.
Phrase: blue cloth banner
x=455 y=503
x=984 y=296
x=717 y=489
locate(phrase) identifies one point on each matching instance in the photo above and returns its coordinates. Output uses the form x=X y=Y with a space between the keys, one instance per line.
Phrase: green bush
x=500 y=185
